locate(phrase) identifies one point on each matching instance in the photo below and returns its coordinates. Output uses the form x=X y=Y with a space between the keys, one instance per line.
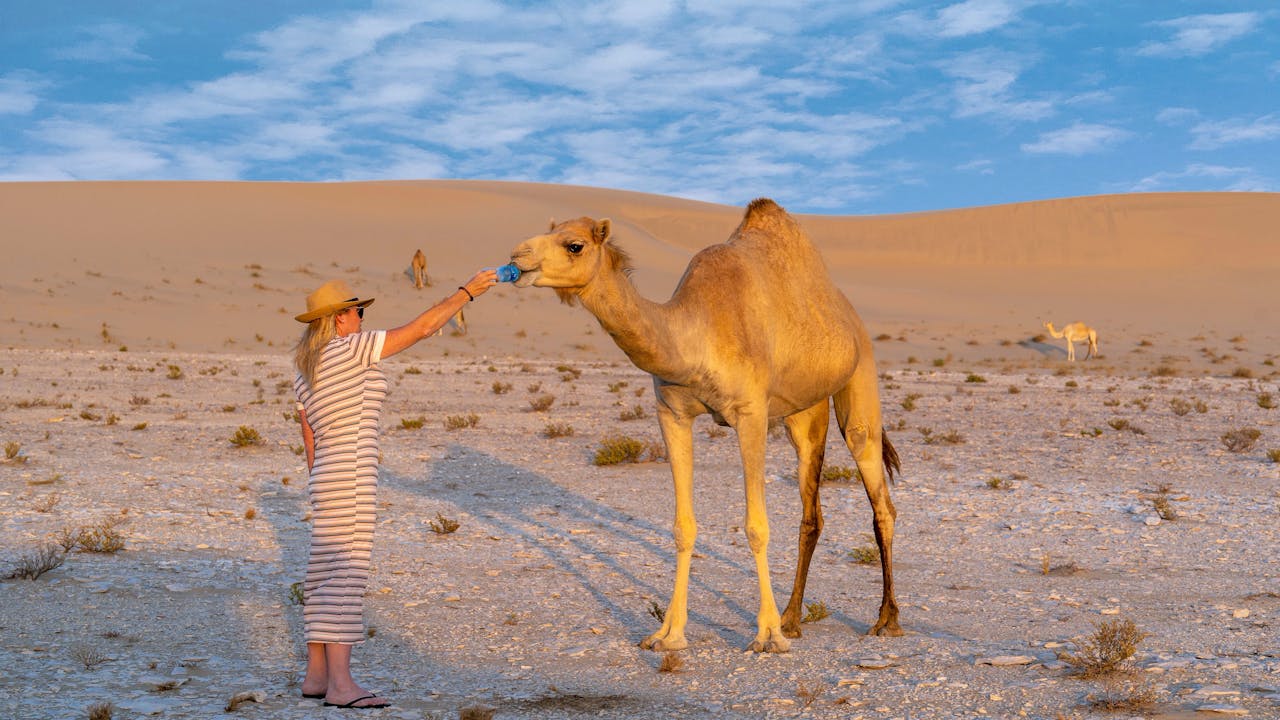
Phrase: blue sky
x=847 y=107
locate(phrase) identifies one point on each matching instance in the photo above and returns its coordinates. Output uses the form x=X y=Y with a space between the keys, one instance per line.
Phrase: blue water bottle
x=507 y=273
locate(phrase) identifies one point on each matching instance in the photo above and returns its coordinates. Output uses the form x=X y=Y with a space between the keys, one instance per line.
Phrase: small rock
x=1006 y=660
x=1222 y=710
x=874 y=663
x=1240 y=613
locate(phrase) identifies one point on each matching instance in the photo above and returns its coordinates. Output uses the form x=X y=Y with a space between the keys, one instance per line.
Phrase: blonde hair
x=306 y=354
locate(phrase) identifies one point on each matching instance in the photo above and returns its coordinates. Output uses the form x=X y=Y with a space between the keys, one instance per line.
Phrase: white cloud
x=18 y=93
x=974 y=17
x=1206 y=177
x=1213 y=135
x=1177 y=116
x=981 y=167
x=1078 y=139
x=104 y=43
x=1196 y=35
x=985 y=82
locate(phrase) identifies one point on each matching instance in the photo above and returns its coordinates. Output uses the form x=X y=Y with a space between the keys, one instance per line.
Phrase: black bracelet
x=468 y=292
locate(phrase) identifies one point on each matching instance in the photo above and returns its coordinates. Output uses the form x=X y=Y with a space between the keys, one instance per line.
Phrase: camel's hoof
x=791 y=630
x=777 y=645
x=659 y=644
x=886 y=630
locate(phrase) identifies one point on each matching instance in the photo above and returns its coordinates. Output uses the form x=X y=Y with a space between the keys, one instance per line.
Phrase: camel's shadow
x=547 y=509
x=1045 y=349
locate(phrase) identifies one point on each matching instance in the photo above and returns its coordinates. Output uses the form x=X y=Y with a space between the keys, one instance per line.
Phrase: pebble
x=1006 y=660
x=1222 y=710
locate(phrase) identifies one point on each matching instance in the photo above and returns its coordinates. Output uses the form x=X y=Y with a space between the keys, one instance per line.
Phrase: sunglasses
x=359 y=310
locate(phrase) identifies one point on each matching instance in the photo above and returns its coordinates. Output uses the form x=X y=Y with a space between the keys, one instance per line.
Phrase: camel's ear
x=602 y=231
x=552 y=225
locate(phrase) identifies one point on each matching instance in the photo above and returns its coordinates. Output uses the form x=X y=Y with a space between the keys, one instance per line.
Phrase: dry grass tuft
x=951 y=437
x=241 y=698
x=636 y=413
x=865 y=555
x=809 y=691
x=839 y=473
x=1266 y=401
x=88 y=656
x=657 y=611
x=557 y=430
x=1107 y=650
x=542 y=403
x=413 y=423
x=476 y=712
x=815 y=611
x=443 y=525
x=37 y=562
x=501 y=388
x=1124 y=697
x=461 y=422
x=101 y=711
x=619 y=449
x=1241 y=440
x=672 y=662
x=246 y=436
x=12 y=452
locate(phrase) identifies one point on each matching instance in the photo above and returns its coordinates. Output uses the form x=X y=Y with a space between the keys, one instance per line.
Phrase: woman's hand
x=480 y=283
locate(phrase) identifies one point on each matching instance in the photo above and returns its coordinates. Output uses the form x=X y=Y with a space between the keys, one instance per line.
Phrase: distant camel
x=1074 y=333
x=420 y=270
x=755 y=331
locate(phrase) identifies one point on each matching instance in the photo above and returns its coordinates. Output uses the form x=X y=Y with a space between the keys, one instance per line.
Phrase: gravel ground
x=1013 y=543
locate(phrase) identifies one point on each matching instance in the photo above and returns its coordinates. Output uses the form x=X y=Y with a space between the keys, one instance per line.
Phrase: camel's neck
x=639 y=326
x=1055 y=333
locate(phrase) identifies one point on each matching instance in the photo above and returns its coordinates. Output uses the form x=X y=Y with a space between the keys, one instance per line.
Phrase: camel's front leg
x=752 y=431
x=677 y=433
x=1071 y=351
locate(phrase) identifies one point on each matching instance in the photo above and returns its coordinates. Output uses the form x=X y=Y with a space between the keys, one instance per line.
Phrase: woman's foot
x=360 y=700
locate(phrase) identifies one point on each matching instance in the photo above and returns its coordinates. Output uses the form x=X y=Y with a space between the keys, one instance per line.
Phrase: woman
x=340 y=389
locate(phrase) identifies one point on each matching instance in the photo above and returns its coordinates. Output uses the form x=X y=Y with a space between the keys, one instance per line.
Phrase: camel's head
x=568 y=256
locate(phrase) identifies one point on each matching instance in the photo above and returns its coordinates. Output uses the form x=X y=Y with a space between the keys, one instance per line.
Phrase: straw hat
x=331 y=297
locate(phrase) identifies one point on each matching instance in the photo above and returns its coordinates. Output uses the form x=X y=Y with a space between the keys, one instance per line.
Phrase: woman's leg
x=316 y=681
x=342 y=687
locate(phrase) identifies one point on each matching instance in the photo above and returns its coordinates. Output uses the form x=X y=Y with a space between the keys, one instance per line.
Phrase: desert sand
x=148 y=322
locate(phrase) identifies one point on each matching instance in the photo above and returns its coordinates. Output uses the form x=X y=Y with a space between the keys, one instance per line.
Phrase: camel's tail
x=892 y=464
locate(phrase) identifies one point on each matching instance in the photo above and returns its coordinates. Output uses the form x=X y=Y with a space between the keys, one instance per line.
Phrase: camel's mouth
x=527 y=278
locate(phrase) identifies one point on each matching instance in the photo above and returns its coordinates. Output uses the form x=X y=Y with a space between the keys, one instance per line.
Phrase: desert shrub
x=413 y=423
x=1179 y=406
x=296 y=594
x=636 y=413
x=951 y=437
x=413 y=370
x=715 y=431
x=139 y=426
x=814 y=612
x=12 y=450
x=1124 y=425
x=443 y=525
x=101 y=711
x=1266 y=401
x=1274 y=455
x=1107 y=650
x=657 y=611
x=671 y=662
x=619 y=449
x=999 y=483
x=838 y=473
x=1242 y=372
x=501 y=388
x=939 y=362
x=1164 y=371
x=1240 y=440
x=617 y=387
x=88 y=656
x=975 y=378
x=37 y=562
x=557 y=430
x=865 y=554
x=1200 y=406
x=542 y=403
x=1126 y=697
x=102 y=537
x=46 y=503
x=175 y=372
x=246 y=436
x=909 y=402
x=91 y=417
x=460 y=422
x=1014 y=389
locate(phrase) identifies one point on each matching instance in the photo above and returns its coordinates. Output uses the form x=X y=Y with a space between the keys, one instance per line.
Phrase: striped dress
x=343 y=410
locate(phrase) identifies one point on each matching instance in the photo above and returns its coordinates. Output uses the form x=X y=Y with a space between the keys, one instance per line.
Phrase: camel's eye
x=574 y=248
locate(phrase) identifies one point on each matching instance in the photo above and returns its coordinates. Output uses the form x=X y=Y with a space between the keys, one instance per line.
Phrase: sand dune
x=224 y=266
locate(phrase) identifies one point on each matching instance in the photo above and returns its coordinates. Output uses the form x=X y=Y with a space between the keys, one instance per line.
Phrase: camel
x=419 y=269
x=458 y=321
x=1074 y=333
x=754 y=331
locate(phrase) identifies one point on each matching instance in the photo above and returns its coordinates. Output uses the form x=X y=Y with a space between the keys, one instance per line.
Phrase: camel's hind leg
x=808 y=432
x=857 y=407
